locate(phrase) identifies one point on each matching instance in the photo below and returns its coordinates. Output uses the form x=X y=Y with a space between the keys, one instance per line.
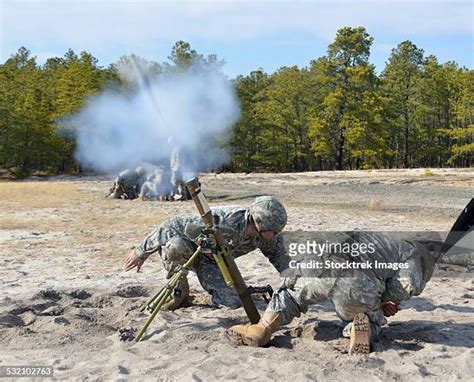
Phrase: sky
x=246 y=34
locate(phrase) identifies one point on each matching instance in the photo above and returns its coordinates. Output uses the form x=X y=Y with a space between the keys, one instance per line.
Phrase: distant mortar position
x=146 y=182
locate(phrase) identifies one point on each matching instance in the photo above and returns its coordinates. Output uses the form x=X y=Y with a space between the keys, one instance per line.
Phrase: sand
x=66 y=301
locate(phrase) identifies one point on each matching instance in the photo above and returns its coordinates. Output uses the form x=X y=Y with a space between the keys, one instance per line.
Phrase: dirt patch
x=67 y=303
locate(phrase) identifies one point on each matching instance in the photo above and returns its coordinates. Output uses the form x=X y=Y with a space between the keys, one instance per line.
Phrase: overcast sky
x=246 y=34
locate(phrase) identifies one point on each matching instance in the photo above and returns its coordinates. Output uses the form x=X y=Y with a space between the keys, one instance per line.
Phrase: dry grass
x=39 y=194
x=74 y=207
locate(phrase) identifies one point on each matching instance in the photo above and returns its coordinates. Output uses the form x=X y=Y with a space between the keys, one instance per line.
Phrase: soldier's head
x=268 y=215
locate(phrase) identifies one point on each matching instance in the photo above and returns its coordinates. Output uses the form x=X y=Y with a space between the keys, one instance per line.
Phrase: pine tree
x=346 y=126
x=401 y=80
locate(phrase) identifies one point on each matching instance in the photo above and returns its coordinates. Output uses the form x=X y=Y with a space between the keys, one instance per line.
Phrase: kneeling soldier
x=244 y=229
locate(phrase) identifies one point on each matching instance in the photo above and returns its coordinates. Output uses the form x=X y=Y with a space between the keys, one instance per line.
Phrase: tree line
x=336 y=113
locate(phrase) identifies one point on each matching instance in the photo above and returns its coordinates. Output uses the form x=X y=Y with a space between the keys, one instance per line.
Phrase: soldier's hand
x=132 y=261
x=390 y=308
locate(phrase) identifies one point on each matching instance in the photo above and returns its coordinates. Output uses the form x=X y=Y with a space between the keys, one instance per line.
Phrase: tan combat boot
x=360 y=335
x=256 y=335
x=176 y=302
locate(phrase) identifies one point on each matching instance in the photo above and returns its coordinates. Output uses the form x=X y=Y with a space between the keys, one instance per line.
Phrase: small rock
x=61 y=321
x=132 y=291
x=50 y=294
x=122 y=370
x=52 y=311
x=126 y=334
x=80 y=294
x=296 y=332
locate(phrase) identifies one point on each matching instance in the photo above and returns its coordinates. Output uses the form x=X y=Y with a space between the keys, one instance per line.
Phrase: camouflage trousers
x=178 y=250
x=359 y=293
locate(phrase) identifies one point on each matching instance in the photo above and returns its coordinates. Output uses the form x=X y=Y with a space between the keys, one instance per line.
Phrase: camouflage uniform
x=174 y=241
x=128 y=183
x=359 y=291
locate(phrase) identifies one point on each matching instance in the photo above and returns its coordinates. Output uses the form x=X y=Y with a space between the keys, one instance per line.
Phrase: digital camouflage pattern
x=146 y=181
x=127 y=184
x=268 y=214
x=174 y=241
x=359 y=291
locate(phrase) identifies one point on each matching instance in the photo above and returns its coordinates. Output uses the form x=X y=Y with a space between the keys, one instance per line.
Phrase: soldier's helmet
x=268 y=214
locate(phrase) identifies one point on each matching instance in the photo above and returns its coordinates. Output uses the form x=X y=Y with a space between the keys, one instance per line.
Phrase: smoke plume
x=120 y=129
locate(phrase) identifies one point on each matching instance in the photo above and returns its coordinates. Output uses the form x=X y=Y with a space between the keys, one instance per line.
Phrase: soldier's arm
x=275 y=251
x=406 y=282
x=150 y=244
x=132 y=261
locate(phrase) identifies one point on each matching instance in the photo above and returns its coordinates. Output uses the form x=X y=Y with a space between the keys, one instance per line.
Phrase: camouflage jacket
x=128 y=182
x=231 y=222
x=400 y=284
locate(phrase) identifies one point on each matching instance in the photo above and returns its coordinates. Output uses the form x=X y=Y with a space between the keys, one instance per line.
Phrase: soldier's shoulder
x=229 y=215
x=231 y=208
x=229 y=211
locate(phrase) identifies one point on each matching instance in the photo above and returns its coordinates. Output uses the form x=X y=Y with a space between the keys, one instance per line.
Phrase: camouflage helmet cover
x=268 y=214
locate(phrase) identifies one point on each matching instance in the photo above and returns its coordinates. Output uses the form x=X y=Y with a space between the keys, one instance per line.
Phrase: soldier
x=128 y=183
x=244 y=229
x=361 y=297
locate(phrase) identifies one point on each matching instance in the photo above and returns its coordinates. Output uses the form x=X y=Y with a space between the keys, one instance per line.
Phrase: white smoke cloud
x=118 y=129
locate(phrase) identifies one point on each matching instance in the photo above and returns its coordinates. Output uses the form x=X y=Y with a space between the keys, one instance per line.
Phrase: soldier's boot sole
x=360 y=335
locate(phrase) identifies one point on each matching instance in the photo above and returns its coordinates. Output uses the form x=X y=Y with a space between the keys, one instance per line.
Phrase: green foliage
x=183 y=57
x=28 y=140
x=34 y=102
x=339 y=114
x=247 y=141
x=334 y=114
x=400 y=85
x=129 y=68
x=348 y=119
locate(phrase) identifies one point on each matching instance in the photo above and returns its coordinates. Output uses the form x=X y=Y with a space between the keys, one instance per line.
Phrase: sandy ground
x=65 y=297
